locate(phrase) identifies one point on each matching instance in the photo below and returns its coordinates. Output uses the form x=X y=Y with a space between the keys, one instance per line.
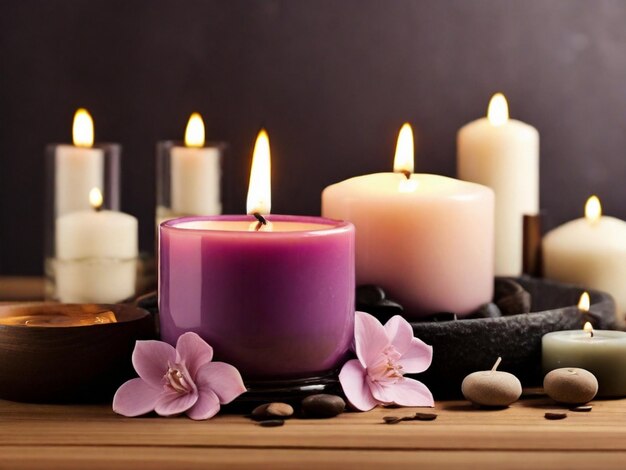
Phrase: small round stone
x=322 y=405
x=272 y=410
x=491 y=388
x=570 y=385
x=272 y=423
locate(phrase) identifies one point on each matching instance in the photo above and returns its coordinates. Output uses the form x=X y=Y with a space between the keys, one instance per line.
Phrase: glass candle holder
x=189 y=179
x=90 y=248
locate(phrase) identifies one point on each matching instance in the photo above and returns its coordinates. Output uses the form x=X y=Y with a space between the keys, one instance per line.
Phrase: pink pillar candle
x=276 y=303
x=426 y=239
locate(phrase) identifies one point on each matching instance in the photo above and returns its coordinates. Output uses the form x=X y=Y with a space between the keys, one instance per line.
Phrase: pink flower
x=385 y=354
x=182 y=380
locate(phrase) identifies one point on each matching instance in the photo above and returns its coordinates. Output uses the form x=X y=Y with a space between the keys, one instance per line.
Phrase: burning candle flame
x=259 y=190
x=95 y=198
x=593 y=209
x=82 y=128
x=584 y=303
x=194 y=133
x=588 y=329
x=405 y=154
x=498 y=111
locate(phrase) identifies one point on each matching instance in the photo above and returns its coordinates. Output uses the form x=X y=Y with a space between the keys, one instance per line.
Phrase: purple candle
x=276 y=303
x=273 y=295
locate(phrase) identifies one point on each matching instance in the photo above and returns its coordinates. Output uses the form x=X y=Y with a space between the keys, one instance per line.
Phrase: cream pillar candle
x=590 y=252
x=426 y=239
x=78 y=167
x=503 y=154
x=96 y=255
x=601 y=352
x=195 y=174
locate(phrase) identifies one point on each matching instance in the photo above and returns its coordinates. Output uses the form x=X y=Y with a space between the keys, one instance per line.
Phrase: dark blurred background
x=332 y=80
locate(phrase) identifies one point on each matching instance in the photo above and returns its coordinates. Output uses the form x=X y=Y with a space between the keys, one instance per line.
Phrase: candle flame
x=194 y=133
x=588 y=329
x=405 y=153
x=259 y=190
x=82 y=128
x=584 y=303
x=95 y=198
x=498 y=111
x=593 y=209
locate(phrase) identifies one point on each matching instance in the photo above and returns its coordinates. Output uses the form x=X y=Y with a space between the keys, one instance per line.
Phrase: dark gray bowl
x=464 y=346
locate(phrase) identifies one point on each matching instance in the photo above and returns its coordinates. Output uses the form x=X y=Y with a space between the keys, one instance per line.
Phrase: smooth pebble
x=570 y=385
x=322 y=405
x=272 y=410
x=491 y=388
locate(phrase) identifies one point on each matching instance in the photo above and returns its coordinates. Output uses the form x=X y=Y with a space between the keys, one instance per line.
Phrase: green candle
x=601 y=352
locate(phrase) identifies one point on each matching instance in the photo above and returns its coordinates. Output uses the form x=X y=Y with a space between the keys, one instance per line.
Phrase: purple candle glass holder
x=277 y=303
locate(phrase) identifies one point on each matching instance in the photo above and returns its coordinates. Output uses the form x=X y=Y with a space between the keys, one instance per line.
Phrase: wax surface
x=505 y=158
x=589 y=254
x=604 y=355
x=95 y=256
x=76 y=171
x=427 y=241
x=274 y=304
x=195 y=181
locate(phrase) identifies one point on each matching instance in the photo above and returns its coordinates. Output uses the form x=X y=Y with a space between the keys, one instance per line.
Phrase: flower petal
x=135 y=398
x=223 y=379
x=353 y=382
x=399 y=332
x=370 y=338
x=417 y=358
x=193 y=351
x=404 y=392
x=150 y=359
x=174 y=403
x=206 y=407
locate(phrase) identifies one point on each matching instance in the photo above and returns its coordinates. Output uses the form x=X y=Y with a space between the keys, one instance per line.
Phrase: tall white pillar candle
x=503 y=154
x=590 y=252
x=96 y=253
x=195 y=174
x=426 y=239
x=77 y=168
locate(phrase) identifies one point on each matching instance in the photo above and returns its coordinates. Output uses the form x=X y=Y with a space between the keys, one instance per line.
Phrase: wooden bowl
x=49 y=361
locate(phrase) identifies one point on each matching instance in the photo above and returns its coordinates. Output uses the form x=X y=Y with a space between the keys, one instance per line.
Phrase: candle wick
x=495 y=366
x=406 y=173
x=262 y=221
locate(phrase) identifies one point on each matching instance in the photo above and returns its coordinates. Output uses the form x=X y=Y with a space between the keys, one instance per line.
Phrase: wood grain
x=37 y=436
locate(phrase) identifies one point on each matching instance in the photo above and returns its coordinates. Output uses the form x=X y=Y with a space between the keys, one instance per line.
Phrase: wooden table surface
x=519 y=437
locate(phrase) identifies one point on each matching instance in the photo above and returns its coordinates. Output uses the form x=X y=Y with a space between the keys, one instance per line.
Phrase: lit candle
x=195 y=173
x=273 y=294
x=96 y=253
x=601 y=352
x=426 y=239
x=78 y=167
x=590 y=252
x=503 y=154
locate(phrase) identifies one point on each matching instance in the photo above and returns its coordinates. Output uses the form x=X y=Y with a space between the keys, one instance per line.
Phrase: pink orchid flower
x=384 y=355
x=174 y=381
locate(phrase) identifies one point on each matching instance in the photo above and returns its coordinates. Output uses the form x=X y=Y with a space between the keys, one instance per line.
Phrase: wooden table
x=80 y=437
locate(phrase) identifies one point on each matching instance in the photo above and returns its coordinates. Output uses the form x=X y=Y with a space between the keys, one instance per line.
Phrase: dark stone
x=425 y=416
x=465 y=346
x=373 y=300
x=489 y=310
x=322 y=406
x=554 y=416
x=392 y=419
x=272 y=423
x=511 y=298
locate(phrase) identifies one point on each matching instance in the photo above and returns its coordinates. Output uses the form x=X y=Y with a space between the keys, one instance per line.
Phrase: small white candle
x=601 y=352
x=78 y=167
x=503 y=154
x=96 y=255
x=195 y=174
x=590 y=252
x=426 y=239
